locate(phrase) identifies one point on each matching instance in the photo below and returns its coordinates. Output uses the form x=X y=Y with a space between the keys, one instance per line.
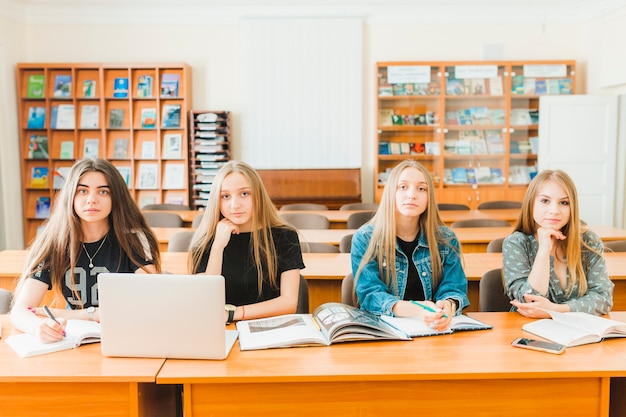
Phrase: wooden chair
x=356 y=220
x=6 y=297
x=359 y=206
x=615 y=246
x=495 y=246
x=318 y=247
x=345 y=244
x=480 y=223
x=500 y=204
x=491 y=294
x=449 y=206
x=163 y=219
x=348 y=296
x=306 y=220
x=180 y=241
x=303 y=206
x=165 y=206
x=303 y=297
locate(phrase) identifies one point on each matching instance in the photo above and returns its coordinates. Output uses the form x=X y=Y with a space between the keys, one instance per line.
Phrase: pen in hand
x=427 y=308
x=49 y=314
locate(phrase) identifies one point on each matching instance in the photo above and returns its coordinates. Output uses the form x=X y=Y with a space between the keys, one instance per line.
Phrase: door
x=578 y=134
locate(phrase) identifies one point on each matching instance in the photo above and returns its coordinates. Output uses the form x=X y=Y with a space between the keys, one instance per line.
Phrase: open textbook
x=78 y=332
x=415 y=327
x=329 y=323
x=573 y=329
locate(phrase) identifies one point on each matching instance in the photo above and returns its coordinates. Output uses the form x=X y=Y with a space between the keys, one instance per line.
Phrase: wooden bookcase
x=474 y=125
x=134 y=124
x=209 y=150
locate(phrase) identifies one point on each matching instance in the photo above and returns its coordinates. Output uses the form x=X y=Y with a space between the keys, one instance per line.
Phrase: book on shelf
x=330 y=323
x=454 y=87
x=520 y=117
x=554 y=86
x=144 y=200
x=64 y=117
x=169 y=85
x=529 y=86
x=452 y=118
x=120 y=148
x=60 y=174
x=148 y=117
x=495 y=145
x=385 y=90
x=471 y=175
x=464 y=116
x=521 y=174
x=38 y=147
x=91 y=148
x=120 y=87
x=459 y=175
x=89 y=88
x=395 y=148
x=497 y=116
x=449 y=146
x=495 y=86
x=35 y=87
x=62 y=86
x=480 y=115
x=471 y=134
x=384 y=148
x=42 y=208
x=125 y=173
x=78 y=332
x=479 y=146
x=147 y=178
x=144 y=86
x=565 y=86
x=464 y=147
x=534 y=144
x=431 y=148
x=36 y=118
x=483 y=174
x=116 y=118
x=148 y=149
x=415 y=327
x=174 y=178
x=384 y=117
x=478 y=86
x=205 y=134
x=575 y=328
x=39 y=177
x=171 y=115
x=405 y=148
x=89 y=116
x=67 y=149
x=172 y=146
x=541 y=87
x=207 y=117
x=517 y=84
x=534 y=116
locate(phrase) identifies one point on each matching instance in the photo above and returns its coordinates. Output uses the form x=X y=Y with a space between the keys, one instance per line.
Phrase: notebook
x=163 y=316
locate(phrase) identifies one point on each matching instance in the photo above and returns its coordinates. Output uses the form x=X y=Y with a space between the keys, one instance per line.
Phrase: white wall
x=212 y=50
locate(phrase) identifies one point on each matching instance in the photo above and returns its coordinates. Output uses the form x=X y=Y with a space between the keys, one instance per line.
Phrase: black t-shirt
x=239 y=270
x=414 y=289
x=110 y=258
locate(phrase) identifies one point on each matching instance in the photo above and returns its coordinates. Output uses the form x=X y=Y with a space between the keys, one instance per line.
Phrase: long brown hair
x=264 y=218
x=63 y=235
x=573 y=230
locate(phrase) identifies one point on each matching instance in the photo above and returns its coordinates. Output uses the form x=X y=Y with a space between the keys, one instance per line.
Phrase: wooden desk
x=78 y=382
x=451 y=216
x=468 y=373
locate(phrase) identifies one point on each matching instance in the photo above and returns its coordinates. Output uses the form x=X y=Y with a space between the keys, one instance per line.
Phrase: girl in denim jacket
x=408 y=234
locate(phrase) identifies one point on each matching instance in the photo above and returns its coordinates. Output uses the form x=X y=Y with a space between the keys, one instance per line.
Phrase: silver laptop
x=163 y=316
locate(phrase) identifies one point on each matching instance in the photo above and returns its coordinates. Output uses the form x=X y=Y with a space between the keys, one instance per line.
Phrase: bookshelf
x=474 y=125
x=209 y=150
x=134 y=115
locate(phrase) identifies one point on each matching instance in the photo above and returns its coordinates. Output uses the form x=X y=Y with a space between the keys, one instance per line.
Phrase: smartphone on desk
x=540 y=345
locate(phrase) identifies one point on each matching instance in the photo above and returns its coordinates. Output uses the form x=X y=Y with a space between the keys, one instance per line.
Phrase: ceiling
x=373 y=11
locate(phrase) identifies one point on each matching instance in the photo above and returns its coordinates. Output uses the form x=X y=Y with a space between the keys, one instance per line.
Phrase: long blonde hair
x=63 y=235
x=573 y=230
x=264 y=218
x=383 y=243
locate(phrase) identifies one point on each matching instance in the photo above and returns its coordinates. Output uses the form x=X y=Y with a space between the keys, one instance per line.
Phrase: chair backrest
x=491 y=295
x=359 y=206
x=356 y=220
x=306 y=220
x=449 y=206
x=303 y=206
x=6 y=297
x=345 y=244
x=196 y=221
x=318 y=247
x=501 y=204
x=480 y=223
x=163 y=219
x=495 y=245
x=348 y=296
x=615 y=246
x=180 y=241
x=165 y=206
x=303 y=297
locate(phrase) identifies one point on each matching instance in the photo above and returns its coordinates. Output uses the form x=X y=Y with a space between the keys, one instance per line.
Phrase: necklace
x=94 y=255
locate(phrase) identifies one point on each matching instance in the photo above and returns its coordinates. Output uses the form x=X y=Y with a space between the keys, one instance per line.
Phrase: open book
x=415 y=327
x=329 y=323
x=78 y=332
x=573 y=329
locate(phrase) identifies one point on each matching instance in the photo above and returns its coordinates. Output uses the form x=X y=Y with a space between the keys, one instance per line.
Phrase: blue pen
x=427 y=308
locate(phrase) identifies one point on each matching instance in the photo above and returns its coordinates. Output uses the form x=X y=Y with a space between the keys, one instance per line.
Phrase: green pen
x=425 y=307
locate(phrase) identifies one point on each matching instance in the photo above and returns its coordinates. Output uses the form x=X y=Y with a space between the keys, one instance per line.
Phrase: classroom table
x=78 y=382
x=466 y=373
